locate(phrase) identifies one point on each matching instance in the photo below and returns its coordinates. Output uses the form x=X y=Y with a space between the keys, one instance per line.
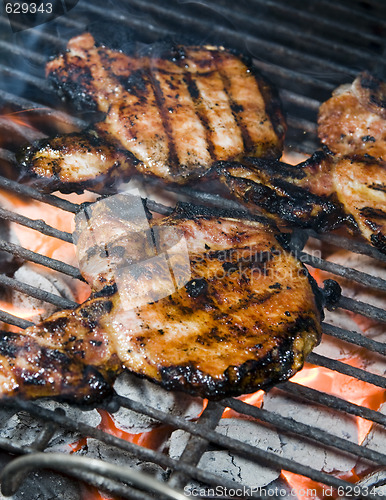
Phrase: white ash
x=63 y=438
x=5 y=415
x=113 y=455
x=231 y=466
x=362 y=292
x=375 y=440
x=143 y=391
x=368 y=360
x=306 y=452
x=332 y=347
x=43 y=279
x=89 y=417
x=23 y=428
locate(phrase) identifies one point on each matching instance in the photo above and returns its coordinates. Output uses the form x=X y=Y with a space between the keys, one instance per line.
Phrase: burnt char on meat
x=174 y=110
x=321 y=193
x=353 y=120
x=245 y=319
x=277 y=190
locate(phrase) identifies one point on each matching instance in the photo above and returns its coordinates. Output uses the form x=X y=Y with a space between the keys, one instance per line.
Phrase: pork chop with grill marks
x=353 y=120
x=321 y=193
x=170 y=111
x=245 y=319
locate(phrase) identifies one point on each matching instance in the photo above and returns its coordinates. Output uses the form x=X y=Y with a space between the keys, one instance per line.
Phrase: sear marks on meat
x=276 y=190
x=245 y=318
x=110 y=234
x=75 y=161
x=321 y=193
x=353 y=121
x=175 y=110
x=38 y=367
x=361 y=188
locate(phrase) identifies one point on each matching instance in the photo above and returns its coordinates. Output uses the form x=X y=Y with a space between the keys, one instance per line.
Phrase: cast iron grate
x=306 y=49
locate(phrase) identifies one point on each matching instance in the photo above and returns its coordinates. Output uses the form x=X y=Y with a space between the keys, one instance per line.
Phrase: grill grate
x=306 y=49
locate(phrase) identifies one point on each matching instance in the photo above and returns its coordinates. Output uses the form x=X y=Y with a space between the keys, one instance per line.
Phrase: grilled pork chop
x=353 y=121
x=321 y=193
x=246 y=318
x=170 y=111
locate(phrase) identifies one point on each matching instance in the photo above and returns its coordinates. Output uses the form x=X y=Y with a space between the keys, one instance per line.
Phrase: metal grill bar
x=234 y=445
x=300 y=15
x=50 y=199
x=37 y=258
x=295 y=427
x=147 y=28
x=25 y=104
x=293 y=98
x=319 y=22
x=110 y=486
x=142 y=453
x=302 y=124
x=72 y=465
x=354 y=338
x=240 y=40
x=240 y=448
x=265 y=27
x=38 y=225
x=14 y=320
x=333 y=402
x=18 y=50
x=7 y=155
x=24 y=77
x=339 y=270
x=367 y=310
x=196 y=446
x=298 y=121
x=56 y=300
x=351 y=371
x=349 y=244
x=285 y=75
x=47 y=37
x=351 y=10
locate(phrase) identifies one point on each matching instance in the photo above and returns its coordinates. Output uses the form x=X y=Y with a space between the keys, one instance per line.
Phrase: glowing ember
x=293 y=158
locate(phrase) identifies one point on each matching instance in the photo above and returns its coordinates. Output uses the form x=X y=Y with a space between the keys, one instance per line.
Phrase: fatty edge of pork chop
x=353 y=120
x=322 y=193
x=170 y=112
x=245 y=320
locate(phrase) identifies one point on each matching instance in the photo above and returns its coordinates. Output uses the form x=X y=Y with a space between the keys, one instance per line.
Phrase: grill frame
x=302 y=107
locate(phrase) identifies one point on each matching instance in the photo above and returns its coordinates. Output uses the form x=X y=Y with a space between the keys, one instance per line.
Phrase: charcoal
x=143 y=391
x=45 y=280
x=228 y=465
x=111 y=454
x=24 y=429
x=304 y=451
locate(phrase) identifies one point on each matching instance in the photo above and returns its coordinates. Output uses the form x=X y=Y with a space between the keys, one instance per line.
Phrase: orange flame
x=17 y=117
x=19 y=311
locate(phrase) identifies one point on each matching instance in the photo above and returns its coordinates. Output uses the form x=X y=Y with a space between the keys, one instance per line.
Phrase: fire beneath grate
x=323 y=429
